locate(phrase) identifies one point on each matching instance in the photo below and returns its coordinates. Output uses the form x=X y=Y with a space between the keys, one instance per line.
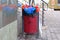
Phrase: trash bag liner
x=29 y=10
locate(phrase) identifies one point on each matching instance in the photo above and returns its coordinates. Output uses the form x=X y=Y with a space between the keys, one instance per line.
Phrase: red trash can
x=30 y=24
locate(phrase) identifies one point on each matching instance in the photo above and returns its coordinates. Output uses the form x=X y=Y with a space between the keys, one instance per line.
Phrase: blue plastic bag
x=29 y=10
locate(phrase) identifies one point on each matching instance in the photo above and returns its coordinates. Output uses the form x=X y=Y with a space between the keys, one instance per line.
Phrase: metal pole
x=29 y=2
x=42 y=13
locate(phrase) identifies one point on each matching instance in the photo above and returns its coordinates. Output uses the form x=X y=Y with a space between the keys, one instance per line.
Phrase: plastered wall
x=9 y=32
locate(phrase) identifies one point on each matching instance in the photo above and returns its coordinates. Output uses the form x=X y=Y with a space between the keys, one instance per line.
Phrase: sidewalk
x=52 y=20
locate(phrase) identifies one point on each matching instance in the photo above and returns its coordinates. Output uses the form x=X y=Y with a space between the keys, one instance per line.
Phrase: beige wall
x=55 y=6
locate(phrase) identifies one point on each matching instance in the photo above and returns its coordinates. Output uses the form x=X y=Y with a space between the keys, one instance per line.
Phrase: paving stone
x=58 y=36
x=53 y=35
x=55 y=39
x=49 y=38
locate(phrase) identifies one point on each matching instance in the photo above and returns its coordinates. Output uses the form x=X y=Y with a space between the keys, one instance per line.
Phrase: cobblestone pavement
x=52 y=20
